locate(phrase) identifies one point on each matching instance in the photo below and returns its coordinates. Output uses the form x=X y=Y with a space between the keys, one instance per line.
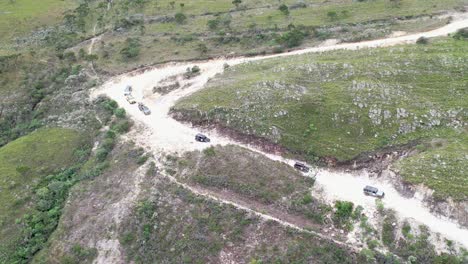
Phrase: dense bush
x=388 y=230
x=213 y=24
x=37 y=226
x=284 y=9
x=122 y=126
x=109 y=104
x=461 y=34
x=292 y=38
x=119 y=112
x=343 y=213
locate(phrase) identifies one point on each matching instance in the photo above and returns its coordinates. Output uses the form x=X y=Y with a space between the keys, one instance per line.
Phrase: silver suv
x=143 y=108
x=128 y=90
x=372 y=191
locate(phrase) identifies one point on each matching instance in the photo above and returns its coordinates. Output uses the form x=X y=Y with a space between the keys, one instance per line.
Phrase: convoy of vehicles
x=368 y=190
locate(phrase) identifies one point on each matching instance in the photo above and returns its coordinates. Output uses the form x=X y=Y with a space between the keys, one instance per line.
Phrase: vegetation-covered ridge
x=174 y=225
x=180 y=30
x=23 y=164
x=37 y=171
x=344 y=103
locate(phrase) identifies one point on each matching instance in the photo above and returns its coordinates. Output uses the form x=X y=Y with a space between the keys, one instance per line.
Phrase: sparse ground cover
x=94 y=205
x=252 y=178
x=344 y=103
x=23 y=164
x=173 y=225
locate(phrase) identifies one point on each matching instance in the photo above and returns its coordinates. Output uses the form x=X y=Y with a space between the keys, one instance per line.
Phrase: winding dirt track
x=165 y=135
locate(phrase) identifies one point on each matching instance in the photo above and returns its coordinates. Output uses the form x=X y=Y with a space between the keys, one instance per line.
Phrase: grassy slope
x=38 y=153
x=19 y=17
x=440 y=165
x=343 y=103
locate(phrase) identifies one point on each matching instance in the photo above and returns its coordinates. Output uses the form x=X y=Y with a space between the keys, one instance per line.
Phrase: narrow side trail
x=166 y=135
x=213 y=196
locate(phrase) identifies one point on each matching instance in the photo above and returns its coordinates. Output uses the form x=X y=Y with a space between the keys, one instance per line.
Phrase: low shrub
x=101 y=154
x=180 y=18
x=209 y=152
x=461 y=34
x=422 y=41
x=142 y=159
x=284 y=9
x=388 y=230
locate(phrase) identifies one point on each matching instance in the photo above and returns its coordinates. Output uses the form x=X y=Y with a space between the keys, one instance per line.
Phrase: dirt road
x=164 y=134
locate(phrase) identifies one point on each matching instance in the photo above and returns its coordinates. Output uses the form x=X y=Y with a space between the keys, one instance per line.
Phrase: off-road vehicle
x=128 y=90
x=201 y=138
x=130 y=99
x=143 y=108
x=372 y=191
x=301 y=166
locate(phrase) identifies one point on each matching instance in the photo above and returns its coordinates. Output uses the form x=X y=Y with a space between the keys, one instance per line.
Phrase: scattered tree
x=180 y=18
x=291 y=38
x=284 y=9
x=237 y=3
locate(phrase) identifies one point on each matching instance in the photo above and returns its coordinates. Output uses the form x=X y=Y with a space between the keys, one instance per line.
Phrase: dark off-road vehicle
x=372 y=191
x=301 y=166
x=201 y=138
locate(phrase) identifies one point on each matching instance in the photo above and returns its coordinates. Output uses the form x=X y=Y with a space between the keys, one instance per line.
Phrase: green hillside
x=23 y=164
